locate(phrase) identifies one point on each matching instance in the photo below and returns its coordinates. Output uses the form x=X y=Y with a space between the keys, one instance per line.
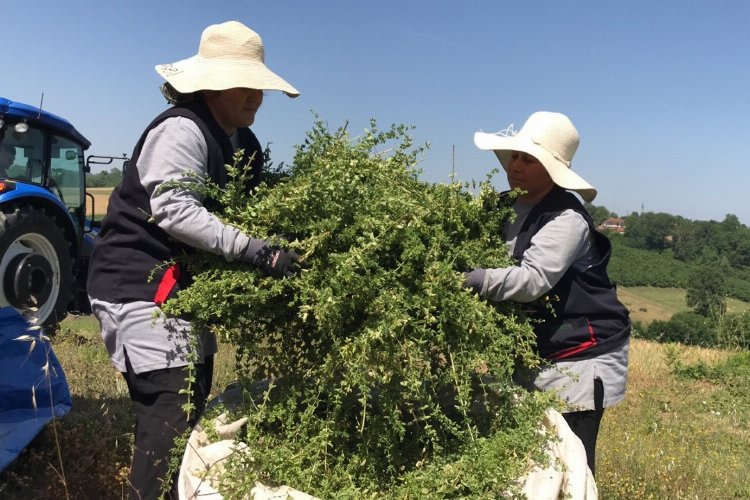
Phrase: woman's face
x=234 y=108
x=527 y=173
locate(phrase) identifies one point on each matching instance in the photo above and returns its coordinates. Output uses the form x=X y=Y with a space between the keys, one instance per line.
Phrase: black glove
x=475 y=280
x=276 y=261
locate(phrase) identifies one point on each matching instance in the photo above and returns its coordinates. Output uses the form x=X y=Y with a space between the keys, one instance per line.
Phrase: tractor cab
x=42 y=150
x=42 y=210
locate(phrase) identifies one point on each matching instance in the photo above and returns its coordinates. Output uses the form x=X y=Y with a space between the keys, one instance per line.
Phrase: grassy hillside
x=633 y=267
x=647 y=303
x=645 y=307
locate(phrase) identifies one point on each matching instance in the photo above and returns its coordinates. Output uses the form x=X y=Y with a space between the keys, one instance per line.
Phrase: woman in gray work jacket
x=560 y=256
x=149 y=225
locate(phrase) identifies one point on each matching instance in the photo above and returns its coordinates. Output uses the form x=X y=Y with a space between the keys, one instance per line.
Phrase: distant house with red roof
x=614 y=224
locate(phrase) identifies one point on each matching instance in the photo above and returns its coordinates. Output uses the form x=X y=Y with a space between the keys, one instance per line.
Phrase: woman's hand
x=475 y=280
x=277 y=262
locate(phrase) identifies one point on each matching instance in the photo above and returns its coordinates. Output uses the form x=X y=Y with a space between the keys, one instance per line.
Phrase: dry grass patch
x=101 y=200
x=672 y=437
x=96 y=436
x=675 y=437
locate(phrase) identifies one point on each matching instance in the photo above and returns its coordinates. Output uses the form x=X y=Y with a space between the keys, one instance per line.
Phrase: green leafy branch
x=388 y=376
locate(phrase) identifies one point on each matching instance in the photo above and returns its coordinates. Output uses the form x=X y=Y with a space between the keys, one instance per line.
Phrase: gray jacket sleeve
x=563 y=242
x=175 y=150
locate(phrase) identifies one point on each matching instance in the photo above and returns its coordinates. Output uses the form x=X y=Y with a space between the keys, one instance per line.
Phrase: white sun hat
x=549 y=137
x=230 y=55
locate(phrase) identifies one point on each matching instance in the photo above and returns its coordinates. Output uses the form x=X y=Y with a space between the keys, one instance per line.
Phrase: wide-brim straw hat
x=549 y=137
x=230 y=55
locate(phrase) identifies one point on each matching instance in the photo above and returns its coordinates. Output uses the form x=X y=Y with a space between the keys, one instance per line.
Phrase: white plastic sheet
x=203 y=464
x=567 y=476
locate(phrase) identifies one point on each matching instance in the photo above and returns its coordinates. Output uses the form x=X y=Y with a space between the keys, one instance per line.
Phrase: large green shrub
x=386 y=377
x=684 y=327
x=733 y=331
x=706 y=290
x=728 y=331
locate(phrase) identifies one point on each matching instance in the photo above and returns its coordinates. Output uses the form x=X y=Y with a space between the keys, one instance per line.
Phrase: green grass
x=682 y=431
x=678 y=436
x=647 y=303
x=671 y=298
x=674 y=298
x=96 y=436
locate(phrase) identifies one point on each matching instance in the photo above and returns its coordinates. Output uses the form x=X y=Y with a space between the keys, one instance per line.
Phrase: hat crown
x=230 y=55
x=231 y=40
x=554 y=132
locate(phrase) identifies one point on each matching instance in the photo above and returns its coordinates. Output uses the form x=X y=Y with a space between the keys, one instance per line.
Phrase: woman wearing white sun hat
x=563 y=258
x=216 y=95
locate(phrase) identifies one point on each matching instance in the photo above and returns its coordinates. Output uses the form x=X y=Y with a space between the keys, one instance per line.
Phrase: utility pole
x=453 y=163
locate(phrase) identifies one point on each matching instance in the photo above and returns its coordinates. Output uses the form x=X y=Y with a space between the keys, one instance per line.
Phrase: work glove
x=474 y=280
x=276 y=261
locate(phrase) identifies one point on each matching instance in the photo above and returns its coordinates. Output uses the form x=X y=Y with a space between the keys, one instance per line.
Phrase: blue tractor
x=45 y=235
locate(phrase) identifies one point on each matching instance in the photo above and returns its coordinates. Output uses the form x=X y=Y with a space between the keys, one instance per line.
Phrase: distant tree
x=689 y=240
x=706 y=290
x=104 y=178
x=598 y=213
x=733 y=241
x=650 y=231
x=729 y=239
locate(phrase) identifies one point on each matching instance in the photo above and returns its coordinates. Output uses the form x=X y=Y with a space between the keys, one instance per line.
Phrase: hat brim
x=561 y=174
x=198 y=73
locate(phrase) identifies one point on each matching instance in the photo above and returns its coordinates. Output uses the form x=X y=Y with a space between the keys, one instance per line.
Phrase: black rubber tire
x=36 y=266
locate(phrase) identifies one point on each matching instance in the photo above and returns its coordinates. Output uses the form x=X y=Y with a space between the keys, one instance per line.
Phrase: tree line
x=688 y=240
x=105 y=178
x=710 y=259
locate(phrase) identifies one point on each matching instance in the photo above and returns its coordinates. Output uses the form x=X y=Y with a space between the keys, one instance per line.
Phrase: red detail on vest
x=167 y=284
x=566 y=353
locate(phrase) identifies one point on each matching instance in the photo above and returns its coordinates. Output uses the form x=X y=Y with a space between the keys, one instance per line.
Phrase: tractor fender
x=41 y=198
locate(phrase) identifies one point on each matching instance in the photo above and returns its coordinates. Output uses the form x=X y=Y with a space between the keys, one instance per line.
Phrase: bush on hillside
x=684 y=327
x=727 y=331
x=706 y=291
x=738 y=283
x=733 y=331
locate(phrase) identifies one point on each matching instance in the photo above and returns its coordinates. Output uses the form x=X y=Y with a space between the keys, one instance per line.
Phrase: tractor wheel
x=36 y=267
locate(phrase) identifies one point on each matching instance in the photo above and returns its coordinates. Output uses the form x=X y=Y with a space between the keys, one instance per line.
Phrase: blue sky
x=657 y=90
